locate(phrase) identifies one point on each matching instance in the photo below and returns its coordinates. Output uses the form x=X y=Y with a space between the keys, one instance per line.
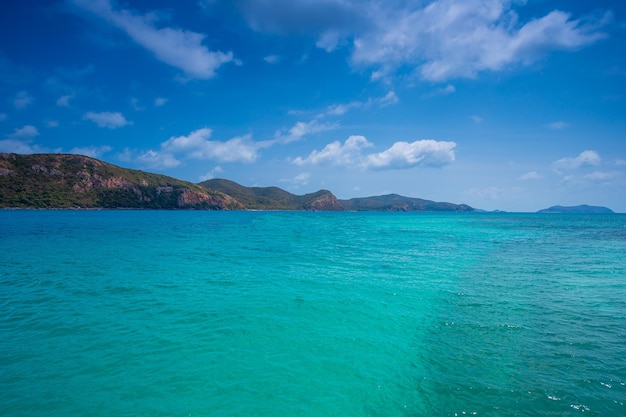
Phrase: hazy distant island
x=75 y=181
x=582 y=209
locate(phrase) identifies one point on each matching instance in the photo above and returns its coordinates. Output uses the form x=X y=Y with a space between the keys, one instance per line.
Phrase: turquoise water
x=179 y=313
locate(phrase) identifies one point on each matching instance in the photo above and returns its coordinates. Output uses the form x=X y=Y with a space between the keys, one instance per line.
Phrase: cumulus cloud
x=419 y=153
x=458 y=39
x=197 y=146
x=439 y=39
x=92 y=151
x=586 y=158
x=111 y=120
x=160 y=101
x=22 y=100
x=336 y=153
x=424 y=153
x=178 y=48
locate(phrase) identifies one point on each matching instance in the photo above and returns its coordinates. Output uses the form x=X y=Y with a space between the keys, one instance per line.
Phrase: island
x=75 y=181
x=581 y=209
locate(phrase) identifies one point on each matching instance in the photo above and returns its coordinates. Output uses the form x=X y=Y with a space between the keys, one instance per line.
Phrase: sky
x=500 y=104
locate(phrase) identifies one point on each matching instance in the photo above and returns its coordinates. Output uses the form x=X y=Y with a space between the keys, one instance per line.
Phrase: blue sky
x=499 y=104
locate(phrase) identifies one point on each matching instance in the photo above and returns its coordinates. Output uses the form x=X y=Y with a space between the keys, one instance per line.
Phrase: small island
x=582 y=209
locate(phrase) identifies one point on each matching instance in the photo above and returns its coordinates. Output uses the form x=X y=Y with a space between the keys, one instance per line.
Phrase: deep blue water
x=189 y=313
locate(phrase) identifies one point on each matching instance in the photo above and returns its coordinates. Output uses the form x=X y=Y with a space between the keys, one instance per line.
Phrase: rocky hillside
x=74 y=181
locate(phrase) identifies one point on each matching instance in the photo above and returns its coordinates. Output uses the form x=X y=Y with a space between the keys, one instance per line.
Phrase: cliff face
x=65 y=181
x=325 y=202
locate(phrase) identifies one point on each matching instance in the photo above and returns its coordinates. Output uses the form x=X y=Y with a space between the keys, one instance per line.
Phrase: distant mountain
x=582 y=209
x=274 y=198
x=74 y=181
x=395 y=202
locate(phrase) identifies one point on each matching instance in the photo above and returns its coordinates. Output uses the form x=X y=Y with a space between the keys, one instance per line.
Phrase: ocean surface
x=195 y=313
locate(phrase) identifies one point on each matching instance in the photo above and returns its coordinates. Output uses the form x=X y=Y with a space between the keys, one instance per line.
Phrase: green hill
x=395 y=202
x=582 y=209
x=74 y=181
x=274 y=198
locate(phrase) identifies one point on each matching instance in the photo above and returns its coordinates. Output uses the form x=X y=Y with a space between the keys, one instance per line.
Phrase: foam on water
x=313 y=314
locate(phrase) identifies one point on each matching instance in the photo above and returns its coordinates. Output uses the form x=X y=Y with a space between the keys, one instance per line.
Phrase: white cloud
x=440 y=39
x=443 y=91
x=197 y=146
x=160 y=101
x=176 y=47
x=389 y=99
x=340 y=109
x=620 y=162
x=302 y=129
x=558 y=125
x=3 y=117
x=92 y=151
x=586 y=158
x=458 y=39
x=298 y=180
x=600 y=176
x=211 y=174
x=159 y=160
x=22 y=100
x=399 y=155
x=476 y=119
x=336 y=153
x=20 y=141
x=271 y=59
x=532 y=175
x=111 y=120
x=19 y=146
x=52 y=123
x=26 y=132
x=419 y=153
x=64 y=101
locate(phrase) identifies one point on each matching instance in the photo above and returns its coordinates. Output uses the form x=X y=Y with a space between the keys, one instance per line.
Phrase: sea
x=243 y=313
